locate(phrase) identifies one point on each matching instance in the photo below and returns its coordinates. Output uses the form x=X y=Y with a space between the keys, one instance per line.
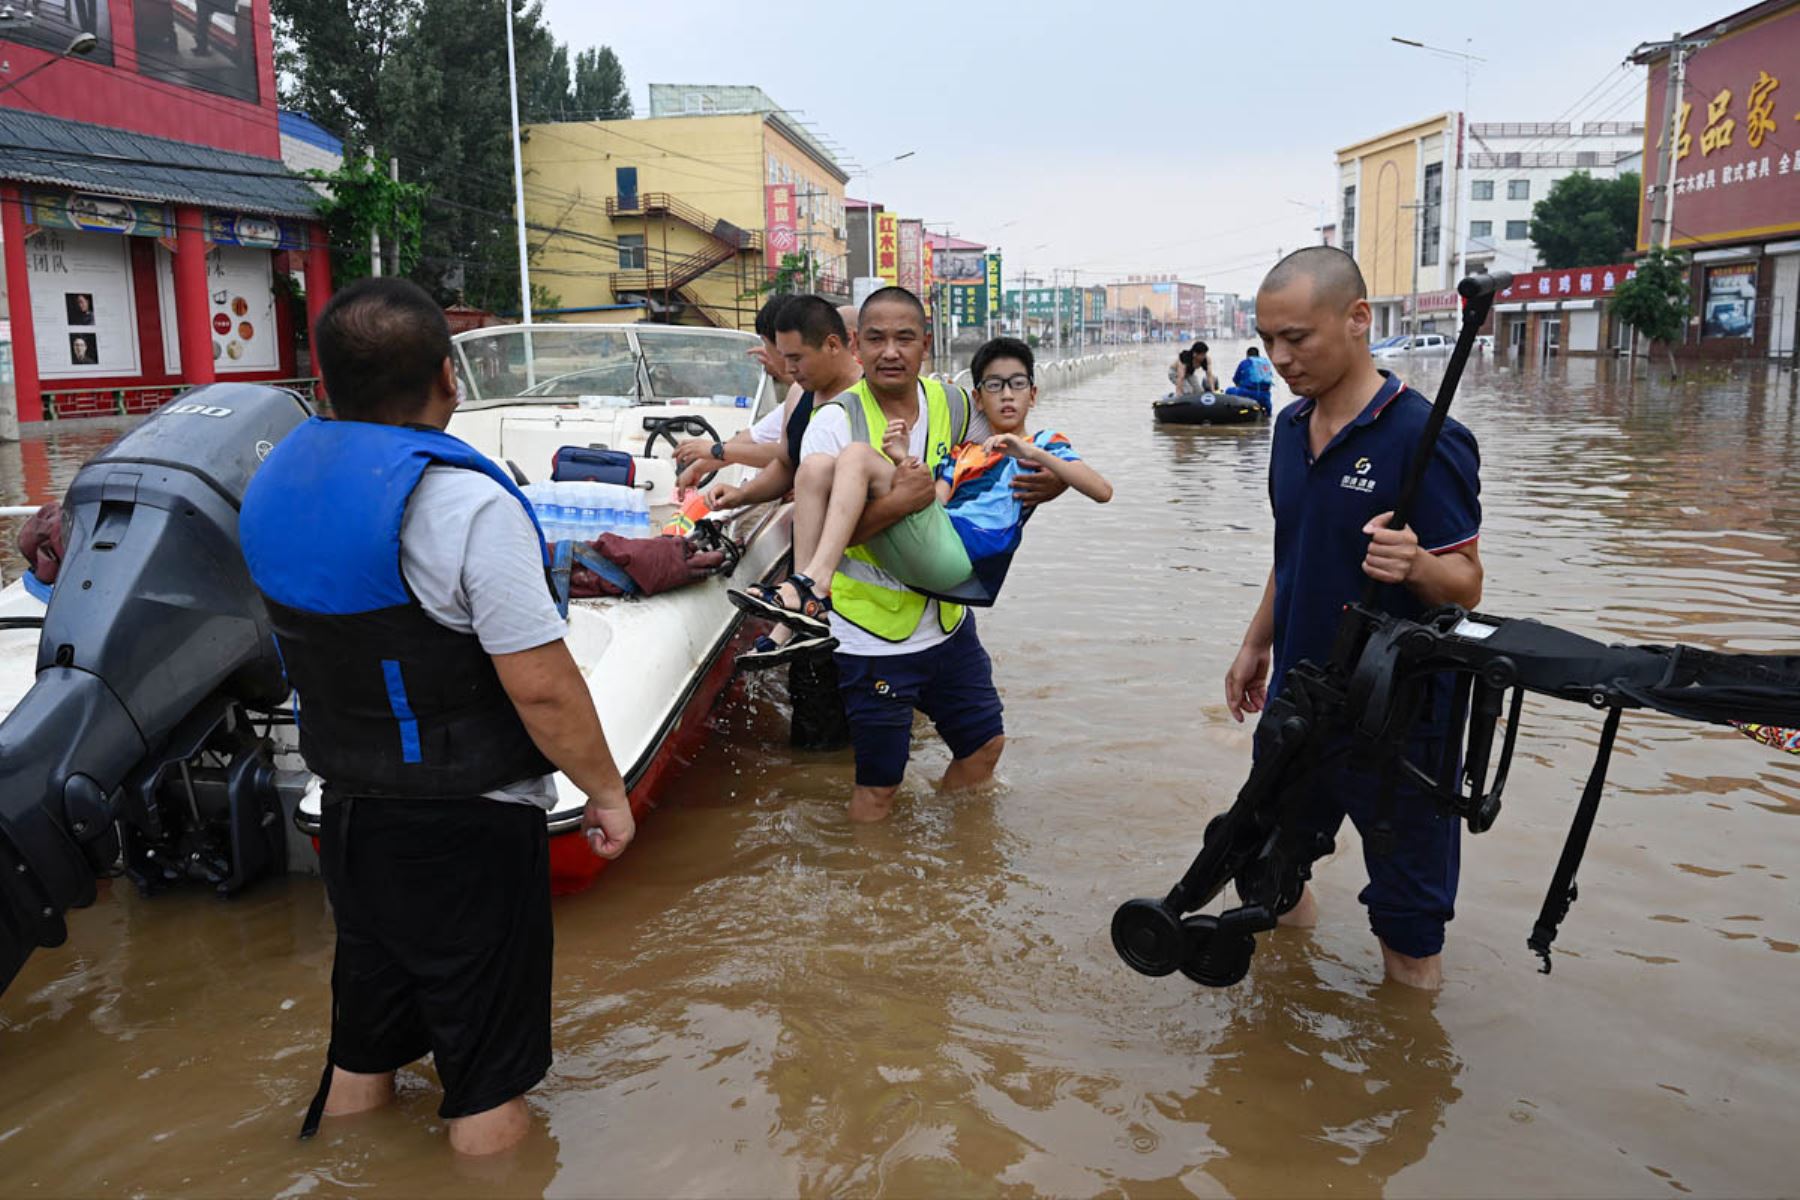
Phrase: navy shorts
x=952 y=683
x=1412 y=889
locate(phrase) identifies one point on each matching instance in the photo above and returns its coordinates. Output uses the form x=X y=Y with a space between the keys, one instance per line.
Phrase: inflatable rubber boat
x=146 y=722
x=1208 y=408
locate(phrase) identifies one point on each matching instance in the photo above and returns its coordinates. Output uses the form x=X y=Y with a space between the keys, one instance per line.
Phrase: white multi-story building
x=1508 y=167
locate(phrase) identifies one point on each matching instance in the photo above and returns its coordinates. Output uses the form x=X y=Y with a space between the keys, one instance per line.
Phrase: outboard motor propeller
x=154 y=643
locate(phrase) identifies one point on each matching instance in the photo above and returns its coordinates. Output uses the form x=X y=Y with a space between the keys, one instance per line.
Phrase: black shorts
x=444 y=942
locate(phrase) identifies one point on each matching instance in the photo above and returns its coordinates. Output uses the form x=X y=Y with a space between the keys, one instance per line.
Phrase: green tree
x=425 y=81
x=332 y=59
x=363 y=200
x=600 y=93
x=1586 y=222
x=1654 y=301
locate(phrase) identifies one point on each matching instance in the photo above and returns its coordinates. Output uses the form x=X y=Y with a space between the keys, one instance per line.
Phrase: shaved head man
x=1312 y=311
x=1336 y=461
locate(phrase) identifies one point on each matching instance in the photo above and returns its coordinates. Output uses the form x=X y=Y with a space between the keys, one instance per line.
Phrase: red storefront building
x=152 y=237
x=1736 y=179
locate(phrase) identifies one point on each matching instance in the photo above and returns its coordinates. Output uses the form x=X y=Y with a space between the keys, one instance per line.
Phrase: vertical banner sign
x=993 y=282
x=887 y=248
x=911 y=235
x=926 y=278
x=779 y=236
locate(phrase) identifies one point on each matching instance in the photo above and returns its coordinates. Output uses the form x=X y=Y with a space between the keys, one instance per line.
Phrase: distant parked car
x=1408 y=345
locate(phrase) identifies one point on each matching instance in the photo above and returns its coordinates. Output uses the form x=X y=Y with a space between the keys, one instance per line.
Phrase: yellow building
x=669 y=211
x=1396 y=210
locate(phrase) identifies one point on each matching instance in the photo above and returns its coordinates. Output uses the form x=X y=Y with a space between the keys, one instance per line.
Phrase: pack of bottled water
x=571 y=511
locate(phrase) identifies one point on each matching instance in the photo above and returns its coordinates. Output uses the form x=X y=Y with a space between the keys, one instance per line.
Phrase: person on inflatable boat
x=1254 y=379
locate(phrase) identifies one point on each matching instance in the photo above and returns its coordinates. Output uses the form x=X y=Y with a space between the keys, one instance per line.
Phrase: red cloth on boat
x=656 y=564
x=41 y=541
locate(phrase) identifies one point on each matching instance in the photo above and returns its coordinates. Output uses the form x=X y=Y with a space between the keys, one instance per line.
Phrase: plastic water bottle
x=640 y=513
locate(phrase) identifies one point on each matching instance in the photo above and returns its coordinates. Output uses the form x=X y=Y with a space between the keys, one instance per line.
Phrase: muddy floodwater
x=762 y=1000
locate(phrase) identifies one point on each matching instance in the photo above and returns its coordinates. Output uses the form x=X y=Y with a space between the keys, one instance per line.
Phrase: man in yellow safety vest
x=898 y=650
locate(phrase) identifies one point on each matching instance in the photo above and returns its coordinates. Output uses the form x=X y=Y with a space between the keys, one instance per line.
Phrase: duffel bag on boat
x=585 y=464
x=640 y=566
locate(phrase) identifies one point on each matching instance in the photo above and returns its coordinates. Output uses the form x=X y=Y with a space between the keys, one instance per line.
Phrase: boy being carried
x=957 y=548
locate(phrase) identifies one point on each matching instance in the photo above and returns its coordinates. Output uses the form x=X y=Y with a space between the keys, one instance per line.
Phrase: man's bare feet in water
x=1426 y=974
x=1304 y=915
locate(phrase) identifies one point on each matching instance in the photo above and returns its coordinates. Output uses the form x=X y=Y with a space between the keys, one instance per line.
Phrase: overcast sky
x=1131 y=137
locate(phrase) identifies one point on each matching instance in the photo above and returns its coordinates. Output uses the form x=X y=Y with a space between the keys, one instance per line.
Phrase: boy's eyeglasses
x=994 y=385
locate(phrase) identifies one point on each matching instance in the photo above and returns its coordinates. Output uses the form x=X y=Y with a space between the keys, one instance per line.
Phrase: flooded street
x=762 y=1000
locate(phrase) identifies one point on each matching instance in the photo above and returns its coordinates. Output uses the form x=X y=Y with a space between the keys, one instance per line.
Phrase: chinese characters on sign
x=779 y=236
x=1574 y=283
x=911 y=235
x=82 y=304
x=1736 y=142
x=887 y=248
x=927 y=274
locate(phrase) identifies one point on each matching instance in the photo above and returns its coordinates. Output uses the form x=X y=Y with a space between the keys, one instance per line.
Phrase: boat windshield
x=635 y=364
x=694 y=363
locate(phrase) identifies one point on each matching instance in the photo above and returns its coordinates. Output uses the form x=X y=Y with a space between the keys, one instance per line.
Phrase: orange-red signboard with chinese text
x=1567 y=283
x=1737 y=131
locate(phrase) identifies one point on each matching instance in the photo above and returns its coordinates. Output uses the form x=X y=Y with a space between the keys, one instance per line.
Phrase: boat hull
x=1208 y=409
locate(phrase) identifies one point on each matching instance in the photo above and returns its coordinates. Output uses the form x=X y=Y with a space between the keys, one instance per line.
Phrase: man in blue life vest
x=1336 y=464
x=405 y=580
x=1254 y=380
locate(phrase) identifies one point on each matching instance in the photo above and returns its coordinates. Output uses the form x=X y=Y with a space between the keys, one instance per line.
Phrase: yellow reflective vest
x=861 y=591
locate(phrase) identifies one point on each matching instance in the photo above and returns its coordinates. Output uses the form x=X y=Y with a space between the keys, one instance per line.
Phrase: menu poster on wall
x=53 y=26
x=82 y=306
x=1730 y=301
x=205 y=44
x=241 y=285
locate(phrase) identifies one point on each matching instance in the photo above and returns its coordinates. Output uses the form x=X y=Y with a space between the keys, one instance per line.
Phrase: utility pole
x=1662 y=220
x=394 y=177
x=1412 y=311
x=1056 y=305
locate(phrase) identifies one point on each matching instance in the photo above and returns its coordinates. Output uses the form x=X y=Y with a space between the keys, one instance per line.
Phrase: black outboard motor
x=135 y=741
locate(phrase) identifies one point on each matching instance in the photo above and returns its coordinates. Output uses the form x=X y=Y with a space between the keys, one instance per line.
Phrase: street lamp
x=81 y=43
x=1467 y=59
x=869 y=212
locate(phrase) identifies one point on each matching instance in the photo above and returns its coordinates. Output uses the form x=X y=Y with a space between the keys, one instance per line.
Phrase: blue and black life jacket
x=1256 y=376
x=391 y=702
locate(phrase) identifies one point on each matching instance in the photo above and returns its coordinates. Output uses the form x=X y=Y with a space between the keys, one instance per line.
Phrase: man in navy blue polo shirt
x=1335 y=470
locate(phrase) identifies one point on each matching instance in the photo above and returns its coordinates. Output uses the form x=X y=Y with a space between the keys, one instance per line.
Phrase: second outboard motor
x=135 y=741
